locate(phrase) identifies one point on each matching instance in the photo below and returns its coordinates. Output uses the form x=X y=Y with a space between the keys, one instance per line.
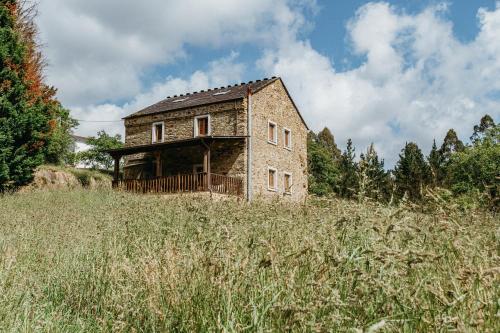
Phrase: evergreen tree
x=411 y=172
x=451 y=145
x=326 y=138
x=435 y=165
x=348 y=182
x=373 y=180
x=24 y=118
x=323 y=172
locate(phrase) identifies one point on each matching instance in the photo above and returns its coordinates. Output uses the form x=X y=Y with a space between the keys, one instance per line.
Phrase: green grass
x=74 y=261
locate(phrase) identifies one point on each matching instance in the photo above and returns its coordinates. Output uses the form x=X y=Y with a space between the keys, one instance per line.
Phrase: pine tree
x=435 y=165
x=24 y=120
x=411 y=172
x=326 y=138
x=348 y=183
x=373 y=180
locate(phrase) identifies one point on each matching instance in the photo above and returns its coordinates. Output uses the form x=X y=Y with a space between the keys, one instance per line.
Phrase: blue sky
x=386 y=72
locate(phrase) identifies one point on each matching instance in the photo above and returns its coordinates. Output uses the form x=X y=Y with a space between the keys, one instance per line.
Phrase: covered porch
x=182 y=166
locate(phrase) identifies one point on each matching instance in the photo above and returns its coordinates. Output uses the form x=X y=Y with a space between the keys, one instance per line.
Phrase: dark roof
x=171 y=144
x=204 y=97
x=79 y=138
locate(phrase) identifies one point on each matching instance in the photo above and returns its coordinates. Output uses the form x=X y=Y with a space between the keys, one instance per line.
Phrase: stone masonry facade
x=229 y=118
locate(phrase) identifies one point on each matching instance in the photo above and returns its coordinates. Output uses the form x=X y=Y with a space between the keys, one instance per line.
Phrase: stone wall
x=272 y=103
x=226 y=119
x=230 y=118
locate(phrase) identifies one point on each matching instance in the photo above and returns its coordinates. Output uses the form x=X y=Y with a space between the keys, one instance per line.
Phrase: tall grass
x=102 y=261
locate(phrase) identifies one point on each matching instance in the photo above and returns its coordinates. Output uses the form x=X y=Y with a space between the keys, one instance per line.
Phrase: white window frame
x=284 y=183
x=269 y=188
x=153 y=132
x=289 y=138
x=195 y=127
x=275 y=142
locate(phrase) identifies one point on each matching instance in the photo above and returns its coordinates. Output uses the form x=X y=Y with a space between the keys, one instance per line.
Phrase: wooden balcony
x=183 y=183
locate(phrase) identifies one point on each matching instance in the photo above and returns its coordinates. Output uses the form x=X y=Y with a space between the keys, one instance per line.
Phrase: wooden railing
x=198 y=182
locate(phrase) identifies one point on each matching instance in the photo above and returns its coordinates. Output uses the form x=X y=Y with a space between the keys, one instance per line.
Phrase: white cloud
x=417 y=81
x=103 y=116
x=98 y=50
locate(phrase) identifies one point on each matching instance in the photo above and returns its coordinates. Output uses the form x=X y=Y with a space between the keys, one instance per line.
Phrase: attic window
x=158 y=132
x=222 y=92
x=180 y=100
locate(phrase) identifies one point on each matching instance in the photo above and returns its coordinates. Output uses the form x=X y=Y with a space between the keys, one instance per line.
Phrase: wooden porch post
x=206 y=166
x=116 y=171
x=158 y=172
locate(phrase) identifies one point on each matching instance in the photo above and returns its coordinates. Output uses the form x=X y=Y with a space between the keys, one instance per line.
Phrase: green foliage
x=96 y=156
x=323 y=172
x=348 y=182
x=411 y=172
x=58 y=149
x=101 y=261
x=24 y=123
x=373 y=180
x=435 y=166
x=478 y=166
x=327 y=140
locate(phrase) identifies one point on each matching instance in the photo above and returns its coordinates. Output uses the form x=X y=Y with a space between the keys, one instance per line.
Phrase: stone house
x=248 y=139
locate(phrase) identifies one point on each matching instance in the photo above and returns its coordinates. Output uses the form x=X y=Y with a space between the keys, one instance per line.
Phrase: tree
x=58 y=138
x=96 y=156
x=24 y=116
x=435 y=165
x=373 y=180
x=348 y=182
x=327 y=140
x=478 y=166
x=323 y=172
x=411 y=172
x=485 y=123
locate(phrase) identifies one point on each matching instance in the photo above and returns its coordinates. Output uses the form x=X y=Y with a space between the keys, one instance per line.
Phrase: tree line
x=461 y=169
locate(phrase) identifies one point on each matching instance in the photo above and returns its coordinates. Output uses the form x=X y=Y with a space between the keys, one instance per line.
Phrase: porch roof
x=171 y=144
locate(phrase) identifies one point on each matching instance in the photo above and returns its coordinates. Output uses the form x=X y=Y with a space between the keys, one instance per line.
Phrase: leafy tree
x=327 y=140
x=411 y=172
x=96 y=156
x=323 y=172
x=58 y=149
x=24 y=116
x=478 y=166
x=373 y=180
x=348 y=182
x=485 y=123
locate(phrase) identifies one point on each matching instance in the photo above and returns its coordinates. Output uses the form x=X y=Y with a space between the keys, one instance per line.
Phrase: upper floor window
x=287 y=182
x=272 y=179
x=202 y=125
x=287 y=138
x=158 y=132
x=272 y=132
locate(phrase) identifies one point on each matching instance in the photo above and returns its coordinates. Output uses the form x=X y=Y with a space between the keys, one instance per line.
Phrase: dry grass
x=102 y=261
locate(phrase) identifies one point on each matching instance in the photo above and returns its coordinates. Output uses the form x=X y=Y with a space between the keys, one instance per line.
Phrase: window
x=272 y=132
x=287 y=183
x=202 y=125
x=287 y=139
x=158 y=134
x=271 y=179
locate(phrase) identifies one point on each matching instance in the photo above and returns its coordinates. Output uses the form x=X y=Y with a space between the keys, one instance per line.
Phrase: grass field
x=75 y=261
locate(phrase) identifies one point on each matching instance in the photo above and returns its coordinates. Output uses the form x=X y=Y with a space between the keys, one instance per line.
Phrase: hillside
x=75 y=261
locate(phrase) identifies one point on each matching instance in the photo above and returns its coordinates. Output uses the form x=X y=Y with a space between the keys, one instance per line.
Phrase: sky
x=382 y=72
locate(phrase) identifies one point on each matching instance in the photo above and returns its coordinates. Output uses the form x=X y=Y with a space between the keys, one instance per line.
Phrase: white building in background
x=80 y=144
